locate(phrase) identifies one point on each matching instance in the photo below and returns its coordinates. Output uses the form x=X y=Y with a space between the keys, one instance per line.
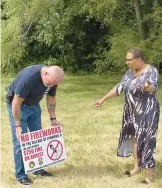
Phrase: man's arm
x=51 y=106
x=16 y=105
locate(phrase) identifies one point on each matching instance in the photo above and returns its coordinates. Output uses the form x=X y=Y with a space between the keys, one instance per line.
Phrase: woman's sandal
x=128 y=173
x=146 y=181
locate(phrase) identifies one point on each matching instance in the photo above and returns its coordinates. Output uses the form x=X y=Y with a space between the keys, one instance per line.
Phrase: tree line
x=79 y=35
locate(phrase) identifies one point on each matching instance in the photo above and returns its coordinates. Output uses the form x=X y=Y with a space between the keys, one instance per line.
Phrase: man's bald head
x=56 y=72
x=52 y=75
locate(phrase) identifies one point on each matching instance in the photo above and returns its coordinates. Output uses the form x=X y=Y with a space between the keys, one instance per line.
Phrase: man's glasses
x=131 y=59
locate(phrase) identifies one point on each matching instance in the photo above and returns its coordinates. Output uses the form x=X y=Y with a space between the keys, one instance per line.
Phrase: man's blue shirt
x=29 y=85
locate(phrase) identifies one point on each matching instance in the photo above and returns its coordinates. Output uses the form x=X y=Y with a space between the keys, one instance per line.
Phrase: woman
x=141 y=113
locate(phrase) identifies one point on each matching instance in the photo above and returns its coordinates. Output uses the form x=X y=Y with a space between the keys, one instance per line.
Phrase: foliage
x=115 y=57
x=78 y=35
x=153 y=43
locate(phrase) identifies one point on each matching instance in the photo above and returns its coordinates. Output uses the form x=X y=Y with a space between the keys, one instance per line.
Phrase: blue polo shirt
x=29 y=85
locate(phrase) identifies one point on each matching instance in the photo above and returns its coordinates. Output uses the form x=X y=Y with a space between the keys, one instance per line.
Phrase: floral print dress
x=140 y=117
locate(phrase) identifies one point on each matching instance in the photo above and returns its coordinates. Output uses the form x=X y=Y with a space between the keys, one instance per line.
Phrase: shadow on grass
x=115 y=169
x=91 y=171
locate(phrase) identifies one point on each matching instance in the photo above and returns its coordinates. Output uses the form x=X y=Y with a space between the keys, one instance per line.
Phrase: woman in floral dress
x=141 y=113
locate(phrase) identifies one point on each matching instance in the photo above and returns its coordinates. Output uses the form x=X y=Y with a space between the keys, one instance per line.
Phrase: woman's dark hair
x=136 y=53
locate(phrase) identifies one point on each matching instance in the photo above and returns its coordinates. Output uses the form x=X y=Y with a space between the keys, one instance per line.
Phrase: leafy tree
x=79 y=35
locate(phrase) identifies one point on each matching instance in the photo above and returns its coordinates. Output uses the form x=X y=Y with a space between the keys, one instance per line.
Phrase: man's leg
x=34 y=121
x=34 y=124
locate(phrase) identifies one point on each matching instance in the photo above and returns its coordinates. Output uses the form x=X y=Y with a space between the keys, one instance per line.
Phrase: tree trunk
x=138 y=11
x=147 y=8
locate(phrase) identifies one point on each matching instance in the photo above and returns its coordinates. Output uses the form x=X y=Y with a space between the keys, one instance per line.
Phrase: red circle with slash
x=54 y=150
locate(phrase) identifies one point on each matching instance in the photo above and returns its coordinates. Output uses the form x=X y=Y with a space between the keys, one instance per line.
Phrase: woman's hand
x=99 y=103
x=147 y=87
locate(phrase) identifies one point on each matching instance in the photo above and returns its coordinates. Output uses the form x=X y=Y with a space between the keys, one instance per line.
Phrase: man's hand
x=18 y=132
x=55 y=123
x=99 y=103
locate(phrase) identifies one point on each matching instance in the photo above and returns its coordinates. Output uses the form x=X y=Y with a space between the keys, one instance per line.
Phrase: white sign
x=42 y=148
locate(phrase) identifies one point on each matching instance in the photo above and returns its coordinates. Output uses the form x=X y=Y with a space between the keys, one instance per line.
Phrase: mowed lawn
x=91 y=137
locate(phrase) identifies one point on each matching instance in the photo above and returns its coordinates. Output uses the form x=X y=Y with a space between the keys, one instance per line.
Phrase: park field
x=91 y=137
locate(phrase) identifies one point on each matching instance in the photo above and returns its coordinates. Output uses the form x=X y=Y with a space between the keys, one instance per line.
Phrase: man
x=23 y=97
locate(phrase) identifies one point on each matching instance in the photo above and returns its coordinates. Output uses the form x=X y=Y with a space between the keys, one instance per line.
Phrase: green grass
x=91 y=138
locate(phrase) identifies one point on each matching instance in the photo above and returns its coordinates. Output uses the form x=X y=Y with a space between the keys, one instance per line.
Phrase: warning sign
x=54 y=150
x=42 y=148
